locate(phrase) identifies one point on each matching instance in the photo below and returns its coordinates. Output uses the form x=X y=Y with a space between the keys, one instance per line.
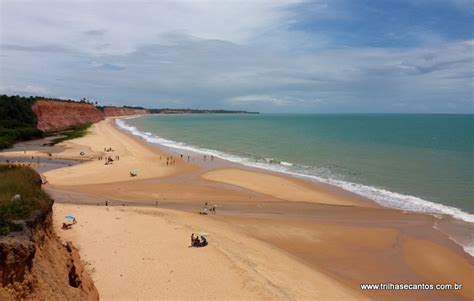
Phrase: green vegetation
x=17 y=120
x=74 y=132
x=26 y=183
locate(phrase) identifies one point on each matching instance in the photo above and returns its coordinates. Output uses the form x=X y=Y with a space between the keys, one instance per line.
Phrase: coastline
x=340 y=236
x=372 y=194
x=440 y=211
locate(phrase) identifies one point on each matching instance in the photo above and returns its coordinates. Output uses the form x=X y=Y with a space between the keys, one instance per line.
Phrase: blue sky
x=389 y=23
x=271 y=56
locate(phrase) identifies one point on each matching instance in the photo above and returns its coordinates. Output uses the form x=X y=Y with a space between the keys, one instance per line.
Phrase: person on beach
x=203 y=243
x=196 y=242
x=213 y=210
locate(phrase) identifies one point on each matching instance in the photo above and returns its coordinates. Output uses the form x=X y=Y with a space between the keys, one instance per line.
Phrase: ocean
x=408 y=161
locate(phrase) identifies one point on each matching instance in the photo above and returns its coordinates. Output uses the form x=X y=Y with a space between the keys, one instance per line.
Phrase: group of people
x=67 y=226
x=205 y=157
x=205 y=210
x=109 y=159
x=198 y=241
x=170 y=160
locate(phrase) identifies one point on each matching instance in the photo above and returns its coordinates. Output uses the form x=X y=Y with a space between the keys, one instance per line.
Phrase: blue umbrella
x=69 y=217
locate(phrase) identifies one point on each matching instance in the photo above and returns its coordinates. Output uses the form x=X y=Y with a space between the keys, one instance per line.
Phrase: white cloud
x=215 y=74
x=26 y=89
x=271 y=100
x=115 y=27
x=210 y=54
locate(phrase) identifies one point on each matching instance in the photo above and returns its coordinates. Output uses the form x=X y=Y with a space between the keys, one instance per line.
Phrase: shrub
x=25 y=182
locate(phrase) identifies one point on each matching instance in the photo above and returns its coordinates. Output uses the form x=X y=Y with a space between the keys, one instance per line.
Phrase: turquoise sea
x=407 y=161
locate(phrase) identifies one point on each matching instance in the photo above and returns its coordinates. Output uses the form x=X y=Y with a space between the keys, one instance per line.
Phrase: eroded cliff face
x=58 y=115
x=114 y=111
x=35 y=265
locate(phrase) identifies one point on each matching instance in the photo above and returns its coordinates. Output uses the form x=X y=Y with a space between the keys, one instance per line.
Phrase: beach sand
x=132 y=156
x=274 y=237
x=143 y=254
x=282 y=188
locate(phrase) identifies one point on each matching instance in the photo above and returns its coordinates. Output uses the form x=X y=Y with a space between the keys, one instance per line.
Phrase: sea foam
x=381 y=196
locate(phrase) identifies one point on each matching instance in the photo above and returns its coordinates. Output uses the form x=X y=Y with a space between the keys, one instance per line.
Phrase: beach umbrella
x=69 y=217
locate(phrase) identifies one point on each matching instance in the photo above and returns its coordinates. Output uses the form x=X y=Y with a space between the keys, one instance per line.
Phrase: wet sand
x=291 y=238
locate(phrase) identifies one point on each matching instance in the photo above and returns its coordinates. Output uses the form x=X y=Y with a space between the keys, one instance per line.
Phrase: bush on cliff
x=16 y=112
x=17 y=120
x=9 y=136
x=26 y=183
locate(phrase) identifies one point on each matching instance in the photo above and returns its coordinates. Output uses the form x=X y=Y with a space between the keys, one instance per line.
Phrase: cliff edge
x=115 y=111
x=34 y=264
x=55 y=115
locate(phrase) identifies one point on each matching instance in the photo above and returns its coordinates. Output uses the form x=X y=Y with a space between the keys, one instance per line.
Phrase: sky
x=321 y=56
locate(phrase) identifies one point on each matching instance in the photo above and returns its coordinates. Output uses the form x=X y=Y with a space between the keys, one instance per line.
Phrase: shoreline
x=370 y=194
x=337 y=236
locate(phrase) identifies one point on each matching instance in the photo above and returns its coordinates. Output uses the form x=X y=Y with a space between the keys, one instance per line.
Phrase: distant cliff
x=56 y=115
x=116 y=111
x=25 y=118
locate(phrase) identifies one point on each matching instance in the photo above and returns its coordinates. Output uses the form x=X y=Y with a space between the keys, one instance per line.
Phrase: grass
x=25 y=182
x=8 y=137
x=74 y=132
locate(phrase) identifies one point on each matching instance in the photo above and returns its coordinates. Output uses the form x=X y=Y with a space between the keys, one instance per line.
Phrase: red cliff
x=114 y=111
x=58 y=115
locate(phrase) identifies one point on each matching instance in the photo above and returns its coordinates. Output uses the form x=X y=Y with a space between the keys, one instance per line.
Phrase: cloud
x=96 y=32
x=270 y=100
x=265 y=99
x=28 y=89
x=216 y=74
x=84 y=25
x=106 y=66
x=271 y=56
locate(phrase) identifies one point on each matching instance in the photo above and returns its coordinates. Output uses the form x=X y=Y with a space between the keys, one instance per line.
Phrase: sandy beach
x=273 y=237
